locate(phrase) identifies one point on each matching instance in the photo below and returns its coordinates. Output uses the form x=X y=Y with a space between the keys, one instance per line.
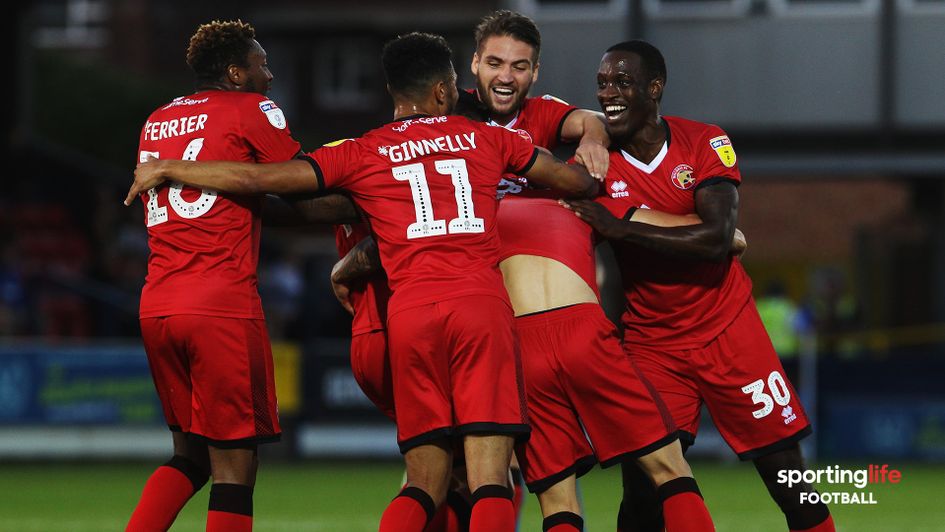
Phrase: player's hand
x=596 y=215
x=343 y=295
x=739 y=243
x=594 y=157
x=148 y=175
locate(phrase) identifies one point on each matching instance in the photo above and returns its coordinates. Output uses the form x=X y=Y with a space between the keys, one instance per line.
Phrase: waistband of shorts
x=557 y=315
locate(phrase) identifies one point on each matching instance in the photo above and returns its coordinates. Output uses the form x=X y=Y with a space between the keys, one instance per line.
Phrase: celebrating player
x=690 y=324
x=427 y=182
x=576 y=375
x=201 y=317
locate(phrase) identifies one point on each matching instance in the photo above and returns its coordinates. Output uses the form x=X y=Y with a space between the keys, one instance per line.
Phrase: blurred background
x=836 y=109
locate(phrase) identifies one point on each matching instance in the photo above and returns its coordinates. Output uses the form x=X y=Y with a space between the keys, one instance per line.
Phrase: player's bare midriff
x=536 y=284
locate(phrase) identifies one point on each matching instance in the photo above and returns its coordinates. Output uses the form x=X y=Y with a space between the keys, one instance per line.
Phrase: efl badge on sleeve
x=682 y=176
x=554 y=99
x=273 y=113
x=723 y=147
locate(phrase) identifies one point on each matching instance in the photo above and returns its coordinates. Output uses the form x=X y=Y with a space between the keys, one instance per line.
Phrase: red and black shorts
x=741 y=381
x=578 y=379
x=456 y=371
x=214 y=377
x=370 y=364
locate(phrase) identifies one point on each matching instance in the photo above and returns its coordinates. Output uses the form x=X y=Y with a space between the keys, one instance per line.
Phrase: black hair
x=505 y=23
x=650 y=57
x=217 y=45
x=414 y=61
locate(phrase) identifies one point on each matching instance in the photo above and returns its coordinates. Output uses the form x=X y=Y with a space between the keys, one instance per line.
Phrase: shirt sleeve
x=335 y=163
x=267 y=132
x=552 y=112
x=517 y=150
x=717 y=159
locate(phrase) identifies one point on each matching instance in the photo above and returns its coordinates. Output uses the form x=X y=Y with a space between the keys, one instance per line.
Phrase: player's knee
x=665 y=464
x=197 y=474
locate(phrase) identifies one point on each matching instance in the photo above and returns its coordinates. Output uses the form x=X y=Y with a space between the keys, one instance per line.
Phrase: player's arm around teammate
x=299 y=176
x=711 y=239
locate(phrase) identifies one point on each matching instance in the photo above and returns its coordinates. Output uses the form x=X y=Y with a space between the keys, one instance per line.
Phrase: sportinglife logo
x=858 y=478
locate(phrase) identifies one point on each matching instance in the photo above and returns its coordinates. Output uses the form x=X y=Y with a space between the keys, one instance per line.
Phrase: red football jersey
x=542 y=117
x=530 y=221
x=368 y=295
x=204 y=245
x=541 y=227
x=675 y=303
x=428 y=187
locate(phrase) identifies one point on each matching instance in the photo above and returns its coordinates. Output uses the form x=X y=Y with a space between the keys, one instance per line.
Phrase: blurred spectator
x=835 y=313
x=13 y=304
x=281 y=286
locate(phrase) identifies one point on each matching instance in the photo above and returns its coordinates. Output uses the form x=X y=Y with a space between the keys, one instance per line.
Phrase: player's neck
x=404 y=109
x=645 y=143
x=215 y=86
x=503 y=120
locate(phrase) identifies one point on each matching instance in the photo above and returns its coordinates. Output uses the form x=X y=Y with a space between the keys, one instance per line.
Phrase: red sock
x=826 y=526
x=410 y=511
x=228 y=522
x=683 y=507
x=167 y=491
x=492 y=510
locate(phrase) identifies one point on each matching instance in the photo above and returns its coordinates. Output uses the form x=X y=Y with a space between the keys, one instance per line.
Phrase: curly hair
x=217 y=45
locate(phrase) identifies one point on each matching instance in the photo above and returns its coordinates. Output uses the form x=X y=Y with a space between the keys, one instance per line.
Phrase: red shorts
x=456 y=371
x=371 y=367
x=739 y=377
x=214 y=377
x=576 y=374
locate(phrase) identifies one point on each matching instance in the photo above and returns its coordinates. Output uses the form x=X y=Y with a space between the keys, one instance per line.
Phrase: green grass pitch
x=350 y=496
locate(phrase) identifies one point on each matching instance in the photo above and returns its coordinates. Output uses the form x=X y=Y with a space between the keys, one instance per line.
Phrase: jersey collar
x=653 y=165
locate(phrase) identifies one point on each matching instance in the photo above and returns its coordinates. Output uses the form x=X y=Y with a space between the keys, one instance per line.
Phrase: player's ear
x=656 y=88
x=440 y=92
x=474 y=66
x=535 y=72
x=234 y=74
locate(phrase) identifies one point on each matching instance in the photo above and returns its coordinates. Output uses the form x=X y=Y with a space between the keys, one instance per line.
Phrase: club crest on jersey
x=618 y=189
x=524 y=134
x=682 y=177
x=273 y=113
x=723 y=148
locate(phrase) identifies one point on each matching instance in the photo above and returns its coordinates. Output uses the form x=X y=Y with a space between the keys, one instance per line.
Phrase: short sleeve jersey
x=542 y=118
x=675 y=303
x=530 y=221
x=368 y=295
x=204 y=245
x=428 y=187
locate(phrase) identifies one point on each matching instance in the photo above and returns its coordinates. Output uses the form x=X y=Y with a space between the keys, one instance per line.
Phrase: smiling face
x=627 y=96
x=505 y=69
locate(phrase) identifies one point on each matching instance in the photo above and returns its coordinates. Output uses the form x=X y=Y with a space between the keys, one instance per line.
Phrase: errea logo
x=618 y=189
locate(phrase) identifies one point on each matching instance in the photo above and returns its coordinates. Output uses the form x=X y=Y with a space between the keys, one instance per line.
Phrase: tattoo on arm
x=363 y=259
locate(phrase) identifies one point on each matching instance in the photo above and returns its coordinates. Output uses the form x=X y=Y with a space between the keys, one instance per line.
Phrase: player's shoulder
x=546 y=100
x=692 y=128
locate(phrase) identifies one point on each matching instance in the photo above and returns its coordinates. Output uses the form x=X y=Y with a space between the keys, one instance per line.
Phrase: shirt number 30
x=427 y=224
x=185 y=209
